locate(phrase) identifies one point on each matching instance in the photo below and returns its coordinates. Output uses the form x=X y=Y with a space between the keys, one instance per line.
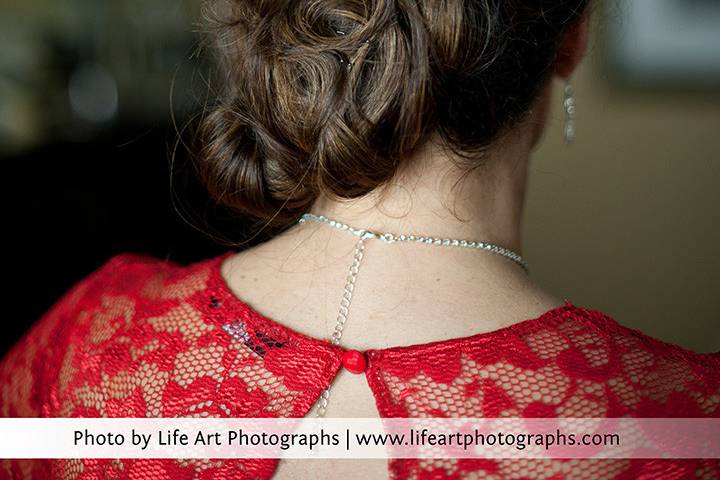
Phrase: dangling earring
x=569 y=106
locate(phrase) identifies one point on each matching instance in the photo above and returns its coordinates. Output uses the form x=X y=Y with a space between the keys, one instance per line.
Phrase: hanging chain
x=347 y=293
x=365 y=234
x=343 y=315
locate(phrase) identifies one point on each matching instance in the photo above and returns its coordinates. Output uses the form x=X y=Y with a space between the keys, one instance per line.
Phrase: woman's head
x=332 y=97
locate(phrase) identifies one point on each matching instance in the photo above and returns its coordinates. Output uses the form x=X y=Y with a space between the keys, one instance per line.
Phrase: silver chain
x=347 y=293
x=343 y=314
x=391 y=238
x=365 y=234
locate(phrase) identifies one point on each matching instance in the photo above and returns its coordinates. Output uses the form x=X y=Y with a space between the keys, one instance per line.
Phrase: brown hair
x=324 y=96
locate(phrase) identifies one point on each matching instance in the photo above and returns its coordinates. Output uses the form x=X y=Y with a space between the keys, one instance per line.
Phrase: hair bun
x=331 y=97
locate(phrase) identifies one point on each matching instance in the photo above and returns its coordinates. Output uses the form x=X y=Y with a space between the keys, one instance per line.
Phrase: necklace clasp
x=368 y=234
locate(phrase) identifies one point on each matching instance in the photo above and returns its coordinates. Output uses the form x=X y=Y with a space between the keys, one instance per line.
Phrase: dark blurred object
x=72 y=70
x=72 y=206
x=665 y=43
x=94 y=96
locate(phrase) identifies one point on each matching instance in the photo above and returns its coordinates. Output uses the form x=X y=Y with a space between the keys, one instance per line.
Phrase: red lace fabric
x=145 y=338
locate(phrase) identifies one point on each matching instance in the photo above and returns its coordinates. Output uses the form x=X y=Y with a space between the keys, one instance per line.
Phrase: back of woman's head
x=332 y=97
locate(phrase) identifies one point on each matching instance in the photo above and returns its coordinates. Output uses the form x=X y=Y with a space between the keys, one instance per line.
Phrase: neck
x=434 y=198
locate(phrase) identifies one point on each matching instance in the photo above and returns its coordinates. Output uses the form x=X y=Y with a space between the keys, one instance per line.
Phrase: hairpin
x=341 y=59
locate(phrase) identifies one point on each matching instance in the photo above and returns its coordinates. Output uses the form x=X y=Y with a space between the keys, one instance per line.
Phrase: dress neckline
x=241 y=309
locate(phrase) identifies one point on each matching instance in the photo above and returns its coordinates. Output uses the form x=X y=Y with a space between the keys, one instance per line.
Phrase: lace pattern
x=146 y=338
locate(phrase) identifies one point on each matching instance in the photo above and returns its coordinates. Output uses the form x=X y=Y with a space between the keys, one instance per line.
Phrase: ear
x=573 y=46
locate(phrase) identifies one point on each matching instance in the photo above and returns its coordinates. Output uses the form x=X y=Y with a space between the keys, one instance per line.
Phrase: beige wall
x=626 y=219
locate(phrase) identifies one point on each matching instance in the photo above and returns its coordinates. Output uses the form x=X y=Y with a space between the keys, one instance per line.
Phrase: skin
x=407 y=293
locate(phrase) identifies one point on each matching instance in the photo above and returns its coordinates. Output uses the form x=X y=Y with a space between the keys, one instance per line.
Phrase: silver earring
x=569 y=106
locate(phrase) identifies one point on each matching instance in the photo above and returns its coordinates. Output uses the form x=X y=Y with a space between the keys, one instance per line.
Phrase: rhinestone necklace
x=353 y=360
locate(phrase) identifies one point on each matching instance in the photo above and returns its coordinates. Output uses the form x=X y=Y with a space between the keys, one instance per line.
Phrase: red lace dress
x=145 y=338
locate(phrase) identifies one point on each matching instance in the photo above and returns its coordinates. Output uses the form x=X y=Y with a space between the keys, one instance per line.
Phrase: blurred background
x=95 y=97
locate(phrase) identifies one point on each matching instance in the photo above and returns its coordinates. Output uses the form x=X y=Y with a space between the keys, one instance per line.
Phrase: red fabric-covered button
x=354 y=361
